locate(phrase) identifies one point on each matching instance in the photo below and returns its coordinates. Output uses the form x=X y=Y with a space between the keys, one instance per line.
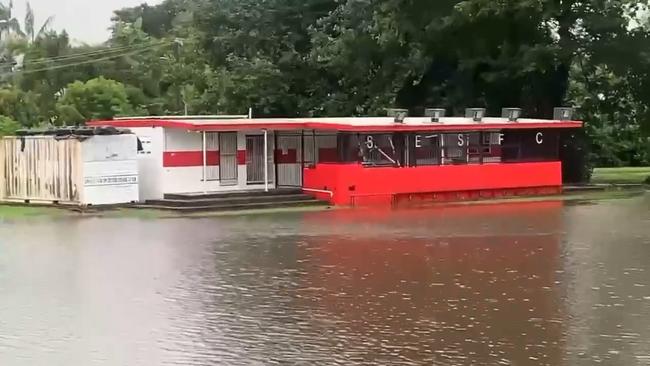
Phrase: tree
x=97 y=98
x=261 y=55
x=347 y=57
x=8 y=126
x=30 y=19
x=20 y=106
x=9 y=31
x=8 y=24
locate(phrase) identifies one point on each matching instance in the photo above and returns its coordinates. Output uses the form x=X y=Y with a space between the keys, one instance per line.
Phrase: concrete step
x=232 y=200
x=236 y=206
x=200 y=196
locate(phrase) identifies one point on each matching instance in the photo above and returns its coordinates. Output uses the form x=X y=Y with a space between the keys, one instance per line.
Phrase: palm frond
x=13 y=25
x=29 y=21
x=44 y=28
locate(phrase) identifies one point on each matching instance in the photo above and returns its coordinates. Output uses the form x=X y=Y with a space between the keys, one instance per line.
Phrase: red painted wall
x=241 y=157
x=189 y=158
x=352 y=181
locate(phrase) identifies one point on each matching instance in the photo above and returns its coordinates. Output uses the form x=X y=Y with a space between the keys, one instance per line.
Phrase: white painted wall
x=150 y=162
x=183 y=140
x=155 y=180
x=110 y=170
x=188 y=180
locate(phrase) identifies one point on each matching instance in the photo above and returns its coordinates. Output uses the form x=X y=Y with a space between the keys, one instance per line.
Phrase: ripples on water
x=515 y=284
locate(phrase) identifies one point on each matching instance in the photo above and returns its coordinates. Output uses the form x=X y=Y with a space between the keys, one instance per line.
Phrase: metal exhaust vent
x=434 y=113
x=512 y=114
x=398 y=114
x=476 y=114
x=562 y=113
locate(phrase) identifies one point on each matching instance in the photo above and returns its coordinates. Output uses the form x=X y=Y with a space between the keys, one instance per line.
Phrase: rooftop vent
x=512 y=114
x=476 y=114
x=434 y=113
x=563 y=113
x=398 y=114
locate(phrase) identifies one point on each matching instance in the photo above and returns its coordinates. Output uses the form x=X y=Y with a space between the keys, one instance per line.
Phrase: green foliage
x=95 y=99
x=8 y=126
x=347 y=57
x=19 y=106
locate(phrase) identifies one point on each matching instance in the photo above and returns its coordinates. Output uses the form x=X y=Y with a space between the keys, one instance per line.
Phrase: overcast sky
x=85 y=20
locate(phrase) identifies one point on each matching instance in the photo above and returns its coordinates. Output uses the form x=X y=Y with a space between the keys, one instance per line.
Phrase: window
x=462 y=148
x=425 y=148
x=486 y=138
x=530 y=145
x=381 y=149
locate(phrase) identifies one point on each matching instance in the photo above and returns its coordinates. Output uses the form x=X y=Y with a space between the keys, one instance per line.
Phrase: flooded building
x=353 y=160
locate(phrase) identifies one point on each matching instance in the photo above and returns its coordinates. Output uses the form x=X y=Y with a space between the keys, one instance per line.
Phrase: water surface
x=509 y=284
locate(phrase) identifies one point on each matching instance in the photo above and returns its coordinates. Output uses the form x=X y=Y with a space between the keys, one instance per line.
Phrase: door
x=255 y=159
x=228 y=158
x=289 y=160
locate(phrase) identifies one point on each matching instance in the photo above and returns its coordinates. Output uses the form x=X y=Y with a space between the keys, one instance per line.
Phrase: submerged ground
x=521 y=283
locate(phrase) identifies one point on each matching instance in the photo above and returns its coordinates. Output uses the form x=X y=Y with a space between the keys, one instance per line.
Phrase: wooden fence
x=40 y=168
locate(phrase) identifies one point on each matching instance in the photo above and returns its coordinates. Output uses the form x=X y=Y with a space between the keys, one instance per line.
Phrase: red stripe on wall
x=189 y=158
x=241 y=157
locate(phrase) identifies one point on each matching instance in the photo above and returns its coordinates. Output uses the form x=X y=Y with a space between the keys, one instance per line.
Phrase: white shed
x=73 y=169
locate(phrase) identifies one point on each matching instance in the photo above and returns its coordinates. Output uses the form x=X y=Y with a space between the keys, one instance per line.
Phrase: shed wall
x=41 y=168
x=110 y=170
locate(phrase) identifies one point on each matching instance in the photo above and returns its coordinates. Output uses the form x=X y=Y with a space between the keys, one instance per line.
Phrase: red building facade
x=358 y=161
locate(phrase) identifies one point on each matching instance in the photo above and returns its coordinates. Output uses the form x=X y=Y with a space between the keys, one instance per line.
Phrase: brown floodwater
x=544 y=283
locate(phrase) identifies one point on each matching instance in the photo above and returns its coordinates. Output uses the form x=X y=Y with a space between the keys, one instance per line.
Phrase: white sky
x=85 y=20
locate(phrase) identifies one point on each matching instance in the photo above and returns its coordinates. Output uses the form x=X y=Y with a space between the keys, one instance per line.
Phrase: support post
x=442 y=149
x=266 y=160
x=302 y=157
x=205 y=165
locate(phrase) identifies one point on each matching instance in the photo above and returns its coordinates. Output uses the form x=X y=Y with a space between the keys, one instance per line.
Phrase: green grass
x=620 y=175
x=12 y=212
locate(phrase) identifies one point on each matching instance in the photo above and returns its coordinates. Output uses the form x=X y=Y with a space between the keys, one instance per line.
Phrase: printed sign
x=110 y=180
x=146 y=145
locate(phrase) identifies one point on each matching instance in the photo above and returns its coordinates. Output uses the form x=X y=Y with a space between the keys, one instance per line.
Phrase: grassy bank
x=620 y=175
x=12 y=211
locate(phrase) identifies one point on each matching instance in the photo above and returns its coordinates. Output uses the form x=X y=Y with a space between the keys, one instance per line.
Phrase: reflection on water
x=513 y=284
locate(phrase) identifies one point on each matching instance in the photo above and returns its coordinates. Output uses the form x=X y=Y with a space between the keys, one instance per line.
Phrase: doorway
x=289 y=159
x=255 y=160
x=228 y=158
